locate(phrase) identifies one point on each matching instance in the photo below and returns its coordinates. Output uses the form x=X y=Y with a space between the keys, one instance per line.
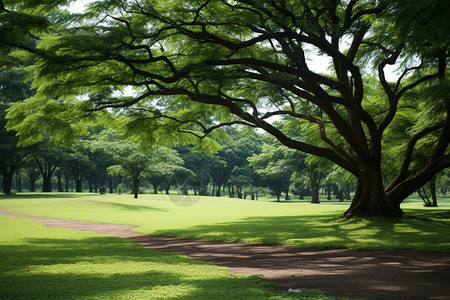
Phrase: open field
x=44 y=263
x=292 y=223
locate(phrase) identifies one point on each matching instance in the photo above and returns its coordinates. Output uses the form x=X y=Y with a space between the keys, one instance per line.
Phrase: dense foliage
x=197 y=66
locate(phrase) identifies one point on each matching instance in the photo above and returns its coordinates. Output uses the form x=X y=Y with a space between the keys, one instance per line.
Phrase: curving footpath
x=341 y=272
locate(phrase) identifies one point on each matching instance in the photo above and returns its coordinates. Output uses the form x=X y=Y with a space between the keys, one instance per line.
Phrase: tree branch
x=405 y=188
x=403 y=173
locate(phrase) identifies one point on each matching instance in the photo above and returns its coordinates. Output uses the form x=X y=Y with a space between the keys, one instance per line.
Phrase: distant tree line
x=248 y=165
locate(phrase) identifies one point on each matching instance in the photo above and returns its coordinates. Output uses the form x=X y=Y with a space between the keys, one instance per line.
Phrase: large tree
x=199 y=65
x=78 y=163
x=12 y=88
x=199 y=176
x=137 y=163
x=48 y=157
x=235 y=152
x=273 y=165
x=31 y=168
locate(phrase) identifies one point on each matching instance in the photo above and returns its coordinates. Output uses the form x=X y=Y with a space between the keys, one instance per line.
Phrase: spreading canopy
x=195 y=66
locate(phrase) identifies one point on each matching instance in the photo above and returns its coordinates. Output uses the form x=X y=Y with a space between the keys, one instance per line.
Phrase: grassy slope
x=294 y=223
x=45 y=263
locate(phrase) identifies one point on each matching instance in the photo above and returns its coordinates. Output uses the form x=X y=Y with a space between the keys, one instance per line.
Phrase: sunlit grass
x=46 y=263
x=42 y=263
x=291 y=223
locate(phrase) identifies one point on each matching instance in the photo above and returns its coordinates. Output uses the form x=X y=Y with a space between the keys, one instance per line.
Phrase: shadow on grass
x=430 y=215
x=39 y=196
x=132 y=207
x=325 y=231
x=110 y=268
x=306 y=200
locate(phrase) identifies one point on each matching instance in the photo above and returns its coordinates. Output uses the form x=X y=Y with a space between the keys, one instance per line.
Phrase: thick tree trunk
x=315 y=177
x=370 y=198
x=19 y=183
x=47 y=170
x=340 y=195
x=232 y=191
x=314 y=188
x=78 y=183
x=110 y=183
x=67 y=185
x=59 y=177
x=433 y=191
x=8 y=171
x=136 y=187
x=32 y=184
x=7 y=182
x=239 y=192
x=315 y=193
x=218 y=190
x=47 y=184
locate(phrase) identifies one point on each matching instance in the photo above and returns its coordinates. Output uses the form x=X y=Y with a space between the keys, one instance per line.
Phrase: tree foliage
x=196 y=66
x=137 y=163
x=13 y=88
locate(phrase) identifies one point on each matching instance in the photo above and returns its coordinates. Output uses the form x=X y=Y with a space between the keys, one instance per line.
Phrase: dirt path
x=342 y=272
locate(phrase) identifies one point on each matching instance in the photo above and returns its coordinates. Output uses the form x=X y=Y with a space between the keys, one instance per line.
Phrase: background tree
x=13 y=88
x=168 y=164
x=158 y=161
x=129 y=162
x=343 y=181
x=241 y=177
x=316 y=169
x=198 y=163
x=47 y=156
x=428 y=193
x=78 y=163
x=218 y=172
x=234 y=152
x=274 y=168
x=444 y=181
x=300 y=185
x=99 y=159
x=30 y=167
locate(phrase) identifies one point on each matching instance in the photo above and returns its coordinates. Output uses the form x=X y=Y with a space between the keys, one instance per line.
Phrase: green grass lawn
x=37 y=262
x=292 y=223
